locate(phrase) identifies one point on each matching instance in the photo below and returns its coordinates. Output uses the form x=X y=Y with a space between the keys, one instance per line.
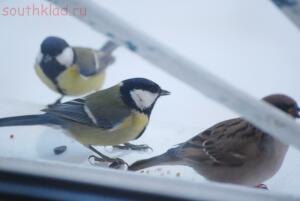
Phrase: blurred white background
x=249 y=43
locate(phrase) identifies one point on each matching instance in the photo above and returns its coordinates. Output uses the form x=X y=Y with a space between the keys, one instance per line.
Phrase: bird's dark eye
x=293 y=110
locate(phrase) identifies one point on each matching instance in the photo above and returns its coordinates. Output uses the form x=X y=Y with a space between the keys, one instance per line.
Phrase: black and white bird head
x=141 y=94
x=284 y=103
x=56 y=49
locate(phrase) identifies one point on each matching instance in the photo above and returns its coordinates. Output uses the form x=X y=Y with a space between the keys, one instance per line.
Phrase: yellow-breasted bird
x=112 y=116
x=232 y=151
x=72 y=71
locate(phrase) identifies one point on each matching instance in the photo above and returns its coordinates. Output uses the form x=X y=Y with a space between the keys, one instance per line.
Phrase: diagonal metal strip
x=130 y=181
x=291 y=8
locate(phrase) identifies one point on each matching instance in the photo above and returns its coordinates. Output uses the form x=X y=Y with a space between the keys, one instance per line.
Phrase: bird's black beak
x=297 y=112
x=164 y=92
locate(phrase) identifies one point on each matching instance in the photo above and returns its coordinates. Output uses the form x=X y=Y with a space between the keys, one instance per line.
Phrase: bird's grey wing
x=80 y=111
x=104 y=60
x=229 y=143
x=107 y=105
x=72 y=111
x=90 y=62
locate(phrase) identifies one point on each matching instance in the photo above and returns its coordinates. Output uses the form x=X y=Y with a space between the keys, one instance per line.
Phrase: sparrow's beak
x=164 y=92
x=295 y=112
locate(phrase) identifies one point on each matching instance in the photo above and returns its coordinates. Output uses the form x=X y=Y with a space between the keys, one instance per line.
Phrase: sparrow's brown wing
x=229 y=143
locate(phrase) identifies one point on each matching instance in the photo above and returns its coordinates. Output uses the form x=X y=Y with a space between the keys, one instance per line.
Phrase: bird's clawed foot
x=96 y=158
x=262 y=186
x=115 y=163
x=128 y=146
x=118 y=163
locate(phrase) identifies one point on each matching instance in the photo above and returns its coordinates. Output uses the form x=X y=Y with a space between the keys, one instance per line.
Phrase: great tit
x=70 y=70
x=233 y=151
x=112 y=116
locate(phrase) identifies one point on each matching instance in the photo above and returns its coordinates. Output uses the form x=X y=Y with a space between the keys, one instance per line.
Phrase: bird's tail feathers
x=168 y=158
x=27 y=120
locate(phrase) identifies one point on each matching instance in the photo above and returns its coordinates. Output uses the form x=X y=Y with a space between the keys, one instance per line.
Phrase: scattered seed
x=178 y=174
x=11 y=136
x=60 y=149
x=131 y=46
x=147 y=171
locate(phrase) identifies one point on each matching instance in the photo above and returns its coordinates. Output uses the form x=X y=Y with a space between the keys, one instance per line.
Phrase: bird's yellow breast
x=71 y=82
x=126 y=131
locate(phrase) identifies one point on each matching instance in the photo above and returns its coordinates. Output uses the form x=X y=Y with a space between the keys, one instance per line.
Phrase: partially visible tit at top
x=72 y=71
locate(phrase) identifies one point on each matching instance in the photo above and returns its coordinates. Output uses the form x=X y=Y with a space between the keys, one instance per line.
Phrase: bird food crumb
x=60 y=149
x=11 y=136
x=147 y=171
x=178 y=174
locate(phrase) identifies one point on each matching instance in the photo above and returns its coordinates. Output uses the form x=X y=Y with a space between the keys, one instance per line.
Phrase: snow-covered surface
x=251 y=44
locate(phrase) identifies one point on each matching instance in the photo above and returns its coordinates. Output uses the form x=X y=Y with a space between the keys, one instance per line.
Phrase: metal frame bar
x=129 y=181
x=23 y=186
x=291 y=8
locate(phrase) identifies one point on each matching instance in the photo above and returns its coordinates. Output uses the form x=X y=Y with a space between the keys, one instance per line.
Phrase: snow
x=250 y=44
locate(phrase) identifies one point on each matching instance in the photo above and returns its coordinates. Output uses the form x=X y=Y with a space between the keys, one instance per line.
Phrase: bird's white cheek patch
x=143 y=99
x=66 y=57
